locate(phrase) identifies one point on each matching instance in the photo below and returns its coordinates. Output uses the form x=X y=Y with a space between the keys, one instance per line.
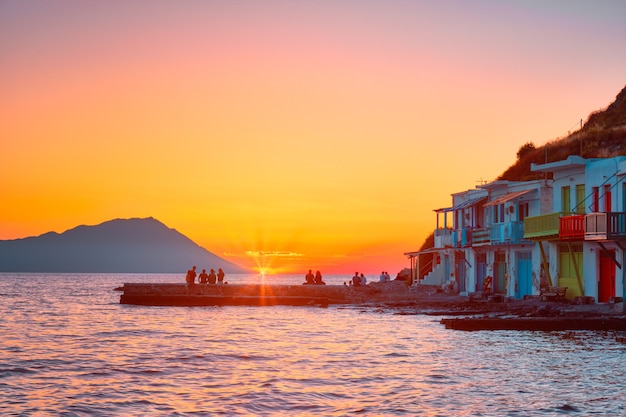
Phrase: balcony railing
x=544 y=226
x=605 y=226
x=572 y=227
x=507 y=233
x=443 y=238
x=461 y=238
x=481 y=237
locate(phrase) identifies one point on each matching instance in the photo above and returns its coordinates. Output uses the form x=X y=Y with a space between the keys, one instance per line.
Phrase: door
x=499 y=273
x=569 y=264
x=524 y=274
x=460 y=270
x=606 y=284
x=481 y=270
x=565 y=200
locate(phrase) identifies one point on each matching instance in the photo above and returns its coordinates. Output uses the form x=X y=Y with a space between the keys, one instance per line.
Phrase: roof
x=571 y=162
x=508 y=197
x=470 y=202
x=428 y=250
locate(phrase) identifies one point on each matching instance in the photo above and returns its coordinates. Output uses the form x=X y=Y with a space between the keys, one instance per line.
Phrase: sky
x=286 y=136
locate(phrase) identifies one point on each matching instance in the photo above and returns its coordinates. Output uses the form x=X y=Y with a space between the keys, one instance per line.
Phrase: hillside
x=117 y=246
x=602 y=136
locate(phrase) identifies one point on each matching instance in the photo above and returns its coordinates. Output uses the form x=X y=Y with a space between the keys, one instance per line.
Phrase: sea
x=68 y=348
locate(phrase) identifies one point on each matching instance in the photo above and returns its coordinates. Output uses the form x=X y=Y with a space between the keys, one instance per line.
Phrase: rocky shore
x=457 y=312
x=464 y=313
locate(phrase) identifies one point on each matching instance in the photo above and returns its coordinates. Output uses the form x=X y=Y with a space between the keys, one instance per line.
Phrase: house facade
x=583 y=238
x=568 y=230
x=482 y=235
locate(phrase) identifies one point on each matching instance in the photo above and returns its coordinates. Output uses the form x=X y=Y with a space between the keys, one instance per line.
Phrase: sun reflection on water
x=63 y=352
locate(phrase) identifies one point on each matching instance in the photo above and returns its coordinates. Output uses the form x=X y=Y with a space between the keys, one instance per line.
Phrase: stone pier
x=153 y=294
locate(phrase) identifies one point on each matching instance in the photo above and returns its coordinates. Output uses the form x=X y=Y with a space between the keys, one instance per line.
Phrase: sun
x=265 y=270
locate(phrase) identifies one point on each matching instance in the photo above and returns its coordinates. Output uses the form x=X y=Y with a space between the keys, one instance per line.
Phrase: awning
x=463 y=205
x=508 y=197
x=425 y=251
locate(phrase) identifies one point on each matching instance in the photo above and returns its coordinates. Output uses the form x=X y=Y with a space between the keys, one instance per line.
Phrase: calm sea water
x=68 y=348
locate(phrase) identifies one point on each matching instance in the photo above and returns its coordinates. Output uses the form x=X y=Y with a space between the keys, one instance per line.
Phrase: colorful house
x=567 y=230
x=583 y=237
x=481 y=235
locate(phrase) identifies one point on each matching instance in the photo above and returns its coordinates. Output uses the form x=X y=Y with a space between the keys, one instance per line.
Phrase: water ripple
x=76 y=352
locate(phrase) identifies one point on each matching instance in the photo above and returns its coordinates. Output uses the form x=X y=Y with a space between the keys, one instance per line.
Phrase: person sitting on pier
x=212 y=277
x=356 y=280
x=203 y=277
x=191 y=276
x=318 y=279
x=487 y=285
x=363 y=279
x=309 y=278
x=220 y=276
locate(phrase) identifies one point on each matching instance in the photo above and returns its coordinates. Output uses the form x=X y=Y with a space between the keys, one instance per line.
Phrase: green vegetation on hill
x=602 y=136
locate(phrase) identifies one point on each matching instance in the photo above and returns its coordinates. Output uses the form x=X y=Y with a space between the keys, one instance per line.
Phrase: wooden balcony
x=545 y=226
x=572 y=227
x=509 y=233
x=481 y=237
x=605 y=226
x=462 y=238
x=443 y=238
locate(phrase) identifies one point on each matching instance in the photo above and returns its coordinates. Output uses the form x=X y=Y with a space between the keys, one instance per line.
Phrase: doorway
x=606 y=283
x=524 y=268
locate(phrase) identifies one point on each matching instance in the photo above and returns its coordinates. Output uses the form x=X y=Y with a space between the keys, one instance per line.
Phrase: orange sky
x=320 y=134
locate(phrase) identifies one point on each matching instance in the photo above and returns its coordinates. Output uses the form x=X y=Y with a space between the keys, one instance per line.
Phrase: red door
x=606 y=285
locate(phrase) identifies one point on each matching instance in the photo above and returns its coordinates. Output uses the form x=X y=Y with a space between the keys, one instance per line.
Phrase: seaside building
x=567 y=230
x=582 y=239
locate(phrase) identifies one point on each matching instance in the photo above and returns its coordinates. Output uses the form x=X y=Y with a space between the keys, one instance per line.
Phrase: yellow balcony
x=545 y=226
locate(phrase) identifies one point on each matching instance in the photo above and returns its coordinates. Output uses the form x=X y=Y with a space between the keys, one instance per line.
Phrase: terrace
x=545 y=226
x=605 y=226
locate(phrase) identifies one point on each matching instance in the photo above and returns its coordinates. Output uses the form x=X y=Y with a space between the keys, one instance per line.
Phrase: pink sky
x=319 y=133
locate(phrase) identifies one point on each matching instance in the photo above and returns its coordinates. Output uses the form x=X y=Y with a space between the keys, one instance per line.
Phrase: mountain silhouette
x=116 y=246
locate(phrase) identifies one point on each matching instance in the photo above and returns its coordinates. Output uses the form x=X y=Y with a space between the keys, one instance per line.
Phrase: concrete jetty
x=536 y=323
x=152 y=294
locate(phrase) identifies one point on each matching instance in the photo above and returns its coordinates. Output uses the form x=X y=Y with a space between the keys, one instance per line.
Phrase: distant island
x=116 y=246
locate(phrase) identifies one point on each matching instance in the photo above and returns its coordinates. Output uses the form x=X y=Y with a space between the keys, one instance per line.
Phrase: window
x=607 y=198
x=498 y=213
x=522 y=211
x=565 y=200
x=595 y=204
x=580 y=198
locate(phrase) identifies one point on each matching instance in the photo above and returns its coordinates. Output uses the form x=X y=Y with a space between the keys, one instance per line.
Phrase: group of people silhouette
x=310 y=279
x=358 y=280
x=204 y=278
